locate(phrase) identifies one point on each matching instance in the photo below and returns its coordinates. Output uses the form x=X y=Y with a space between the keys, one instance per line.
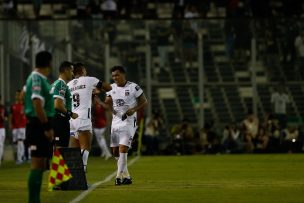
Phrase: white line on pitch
x=95 y=185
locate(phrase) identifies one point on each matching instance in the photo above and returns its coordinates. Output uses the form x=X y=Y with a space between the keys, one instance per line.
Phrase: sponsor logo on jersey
x=36 y=88
x=137 y=88
x=75 y=82
x=120 y=102
x=127 y=93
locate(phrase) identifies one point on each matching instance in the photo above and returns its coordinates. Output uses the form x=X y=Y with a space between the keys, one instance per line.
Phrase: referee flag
x=59 y=171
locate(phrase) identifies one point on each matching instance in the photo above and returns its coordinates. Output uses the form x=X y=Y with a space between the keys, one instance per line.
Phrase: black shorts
x=39 y=144
x=61 y=127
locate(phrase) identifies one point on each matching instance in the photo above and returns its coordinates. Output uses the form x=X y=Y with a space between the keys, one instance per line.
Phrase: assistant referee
x=63 y=105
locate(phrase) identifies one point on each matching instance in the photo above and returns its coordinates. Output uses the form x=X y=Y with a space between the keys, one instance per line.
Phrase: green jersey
x=61 y=90
x=37 y=86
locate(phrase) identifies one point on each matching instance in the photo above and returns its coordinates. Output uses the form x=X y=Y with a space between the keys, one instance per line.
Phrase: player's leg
x=103 y=144
x=98 y=139
x=85 y=138
x=41 y=150
x=2 y=139
x=125 y=142
x=20 y=144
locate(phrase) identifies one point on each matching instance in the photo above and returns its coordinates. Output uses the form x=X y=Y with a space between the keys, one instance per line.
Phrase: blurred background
x=221 y=76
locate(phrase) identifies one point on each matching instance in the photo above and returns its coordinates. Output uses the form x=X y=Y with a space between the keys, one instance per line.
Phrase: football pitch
x=178 y=179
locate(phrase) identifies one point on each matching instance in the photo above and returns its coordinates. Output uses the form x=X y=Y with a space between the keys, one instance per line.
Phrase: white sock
x=20 y=150
x=121 y=164
x=2 y=139
x=29 y=153
x=126 y=173
x=104 y=147
x=85 y=156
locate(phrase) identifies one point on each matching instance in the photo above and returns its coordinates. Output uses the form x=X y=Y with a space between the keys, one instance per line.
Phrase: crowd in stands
x=124 y=9
x=270 y=134
x=251 y=135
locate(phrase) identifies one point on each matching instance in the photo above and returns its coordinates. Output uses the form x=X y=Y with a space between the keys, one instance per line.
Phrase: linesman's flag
x=59 y=171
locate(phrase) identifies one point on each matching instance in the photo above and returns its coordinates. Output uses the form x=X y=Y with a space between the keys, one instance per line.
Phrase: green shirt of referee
x=39 y=110
x=63 y=105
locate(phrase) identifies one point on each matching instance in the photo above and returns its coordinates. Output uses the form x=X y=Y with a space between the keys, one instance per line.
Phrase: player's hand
x=130 y=112
x=74 y=115
x=49 y=134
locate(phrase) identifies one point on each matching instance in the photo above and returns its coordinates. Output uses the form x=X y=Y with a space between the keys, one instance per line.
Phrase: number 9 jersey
x=81 y=90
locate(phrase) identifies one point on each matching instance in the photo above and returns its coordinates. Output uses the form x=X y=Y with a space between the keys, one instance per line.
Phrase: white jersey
x=124 y=98
x=280 y=101
x=81 y=90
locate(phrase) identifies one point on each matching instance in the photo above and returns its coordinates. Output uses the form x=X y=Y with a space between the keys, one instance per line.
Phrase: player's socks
x=85 y=156
x=34 y=185
x=126 y=173
x=20 y=150
x=104 y=147
x=1 y=150
x=122 y=161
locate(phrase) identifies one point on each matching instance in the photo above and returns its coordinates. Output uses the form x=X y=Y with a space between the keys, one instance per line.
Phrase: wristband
x=69 y=113
x=47 y=126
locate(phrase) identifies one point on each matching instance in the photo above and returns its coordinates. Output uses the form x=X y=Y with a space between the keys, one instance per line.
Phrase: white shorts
x=122 y=135
x=77 y=125
x=2 y=135
x=99 y=131
x=18 y=134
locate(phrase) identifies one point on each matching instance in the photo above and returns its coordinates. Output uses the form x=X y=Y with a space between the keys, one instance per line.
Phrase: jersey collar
x=62 y=80
x=36 y=72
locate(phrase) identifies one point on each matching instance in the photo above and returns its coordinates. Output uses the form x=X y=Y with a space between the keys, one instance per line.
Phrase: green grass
x=179 y=179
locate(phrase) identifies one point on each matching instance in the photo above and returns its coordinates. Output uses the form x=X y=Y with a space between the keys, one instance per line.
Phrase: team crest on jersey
x=75 y=82
x=127 y=93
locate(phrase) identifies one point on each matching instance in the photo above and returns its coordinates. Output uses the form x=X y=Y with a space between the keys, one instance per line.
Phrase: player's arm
x=10 y=119
x=104 y=86
x=109 y=103
x=41 y=115
x=59 y=106
x=141 y=103
x=103 y=104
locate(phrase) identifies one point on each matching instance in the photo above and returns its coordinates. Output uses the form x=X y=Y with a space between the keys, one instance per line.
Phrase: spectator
x=290 y=141
x=189 y=45
x=250 y=127
x=37 y=6
x=177 y=30
x=153 y=129
x=271 y=53
x=279 y=100
x=262 y=140
x=163 y=34
x=179 y=8
x=299 y=45
x=208 y=139
x=83 y=9
x=109 y=9
x=183 y=138
x=232 y=141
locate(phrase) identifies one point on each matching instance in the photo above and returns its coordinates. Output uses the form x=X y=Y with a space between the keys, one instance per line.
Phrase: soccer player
x=126 y=99
x=81 y=128
x=63 y=105
x=17 y=122
x=3 y=117
x=39 y=111
x=99 y=125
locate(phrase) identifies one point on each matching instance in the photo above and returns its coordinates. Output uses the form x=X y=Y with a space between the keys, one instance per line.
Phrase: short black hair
x=119 y=68
x=78 y=68
x=64 y=66
x=43 y=59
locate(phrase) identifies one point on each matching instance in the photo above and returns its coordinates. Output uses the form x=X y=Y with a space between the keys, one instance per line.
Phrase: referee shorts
x=39 y=144
x=61 y=127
